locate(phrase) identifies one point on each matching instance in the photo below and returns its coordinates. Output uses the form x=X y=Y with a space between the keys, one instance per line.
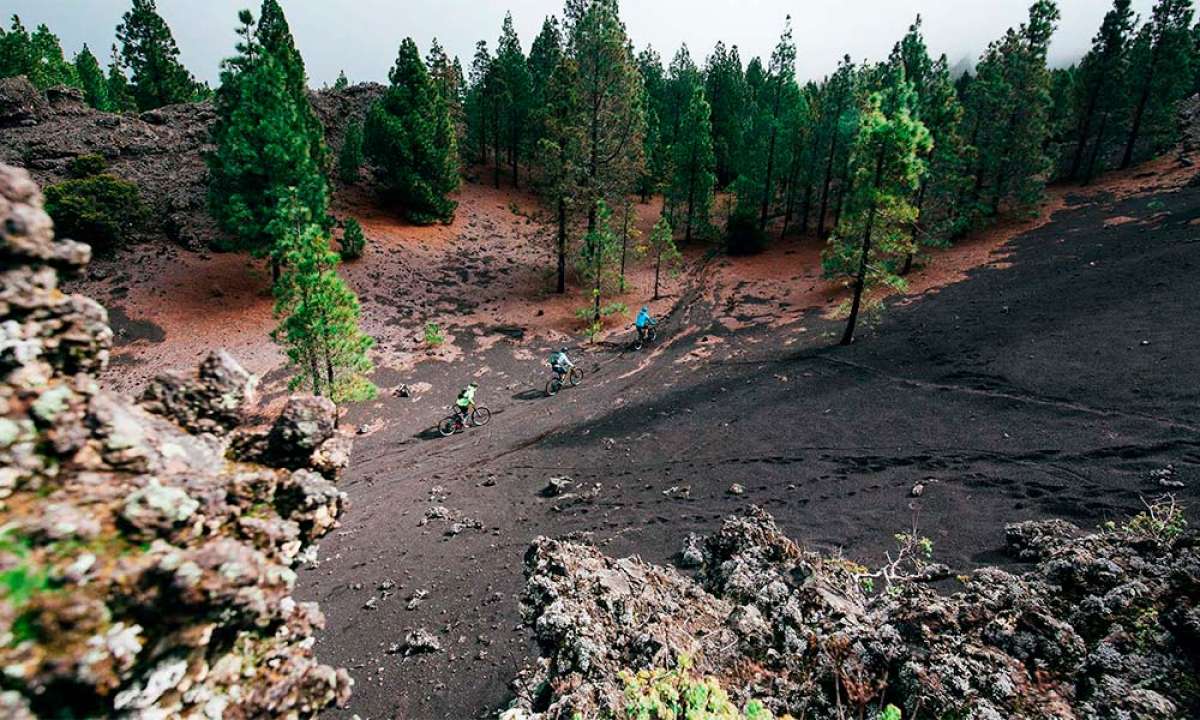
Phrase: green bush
x=742 y=234
x=101 y=210
x=86 y=166
x=680 y=693
x=433 y=335
x=353 y=240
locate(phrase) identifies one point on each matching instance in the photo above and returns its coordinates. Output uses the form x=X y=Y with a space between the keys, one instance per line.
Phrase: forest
x=881 y=161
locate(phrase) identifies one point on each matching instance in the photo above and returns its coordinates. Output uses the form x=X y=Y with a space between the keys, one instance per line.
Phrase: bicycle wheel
x=651 y=334
x=553 y=386
x=575 y=377
x=481 y=416
x=447 y=426
x=637 y=343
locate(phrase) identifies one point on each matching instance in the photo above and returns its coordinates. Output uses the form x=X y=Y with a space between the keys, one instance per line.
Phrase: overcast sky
x=362 y=36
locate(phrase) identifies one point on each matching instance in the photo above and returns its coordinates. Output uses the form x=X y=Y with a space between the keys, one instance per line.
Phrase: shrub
x=742 y=234
x=680 y=693
x=101 y=210
x=86 y=166
x=433 y=335
x=353 y=240
x=350 y=159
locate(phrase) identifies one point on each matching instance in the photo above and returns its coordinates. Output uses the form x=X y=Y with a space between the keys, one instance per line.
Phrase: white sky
x=362 y=36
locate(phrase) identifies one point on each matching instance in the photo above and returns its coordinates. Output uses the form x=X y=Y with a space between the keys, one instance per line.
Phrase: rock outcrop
x=146 y=559
x=1102 y=626
x=161 y=151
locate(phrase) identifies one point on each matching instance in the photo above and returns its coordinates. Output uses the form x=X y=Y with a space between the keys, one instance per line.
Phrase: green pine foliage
x=342 y=82
x=409 y=138
x=350 y=158
x=1101 y=89
x=37 y=56
x=318 y=314
x=120 y=96
x=275 y=38
x=262 y=148
x=693 y=162
x=515 y=88
x=94 y=206
x=353 y=240
x=92 y=80
x=544 y=56
x=599 y=261
x=1162 y=62
x=875 y=233
x=149 y=52
x=660 y=246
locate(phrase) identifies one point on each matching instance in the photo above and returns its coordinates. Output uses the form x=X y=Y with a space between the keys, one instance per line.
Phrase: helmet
x=562 y=349
x=645 y=308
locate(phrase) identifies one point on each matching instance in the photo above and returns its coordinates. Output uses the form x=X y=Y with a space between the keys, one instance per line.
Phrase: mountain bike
x=640 y=339
x=479 y=417
x=556 y=383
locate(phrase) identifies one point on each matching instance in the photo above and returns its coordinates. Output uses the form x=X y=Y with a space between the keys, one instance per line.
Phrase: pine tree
x=120 y=97
x=798 y=126
x=16 y=51
x=939 y=109
x=598 y=262
x=350 y=158
x=410 y=140
x=91 y=79
x=447 y=78
x=319 y=315
x=342 y=82
x=656 y=145
x=561 y=150
x=263 y=149
x=353 y=240
x=39 y=57
x=1161 y=65
x=149 y=51
x=480 y=103
x=691 y=190
x=275 y=37
x=725 y=88
x=1009 y=107
x=683 y=77
x=838 y=120
x=544 y=56
x=516 y=91
x=661 y=246
x=885 y=163
x=1101 y=86
x=50 y=67
x=609 y=92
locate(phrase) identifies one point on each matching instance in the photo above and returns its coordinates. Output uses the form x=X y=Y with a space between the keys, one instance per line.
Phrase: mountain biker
x=643 y=322
x=464 y=403
x=560 y=363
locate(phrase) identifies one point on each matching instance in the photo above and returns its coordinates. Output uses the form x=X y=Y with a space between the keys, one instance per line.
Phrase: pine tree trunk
x=833 y=143
x=657 y=267
x=766 y=199
x=1085 y=129
x=624 y=240
x=860 y=281
x=807 y=207
x=1091 y=168
x=1140 y=110
x=562 y=245
x=275 y=270
x=843 y=190
x=691 y=201
x=516 y=142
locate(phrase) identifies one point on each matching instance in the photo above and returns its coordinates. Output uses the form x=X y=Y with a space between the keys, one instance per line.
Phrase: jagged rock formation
x=162 y=151
x=146 y=550
x=1102 y=626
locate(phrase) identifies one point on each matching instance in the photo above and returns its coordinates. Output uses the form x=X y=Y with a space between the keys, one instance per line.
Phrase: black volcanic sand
x=1052 y=388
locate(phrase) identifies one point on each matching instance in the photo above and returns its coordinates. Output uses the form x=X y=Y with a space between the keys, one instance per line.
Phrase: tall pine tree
x=691 y=192
x=148 y=50
x=410 y=140
x=1102 y=85
x=516 y=90
x=1161 y=67
x=875 y=234
x=91 y=79
x=263 y=151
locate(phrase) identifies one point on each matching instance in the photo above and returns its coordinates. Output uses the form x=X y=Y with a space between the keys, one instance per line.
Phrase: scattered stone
x=371 y=604
x=736 y=489
x=917 y=490
x=556 y=486
x=691 y=555
x=421 y=641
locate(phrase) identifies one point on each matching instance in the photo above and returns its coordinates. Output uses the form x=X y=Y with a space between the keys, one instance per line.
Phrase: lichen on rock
x=1104 y=625
x=147 y=549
